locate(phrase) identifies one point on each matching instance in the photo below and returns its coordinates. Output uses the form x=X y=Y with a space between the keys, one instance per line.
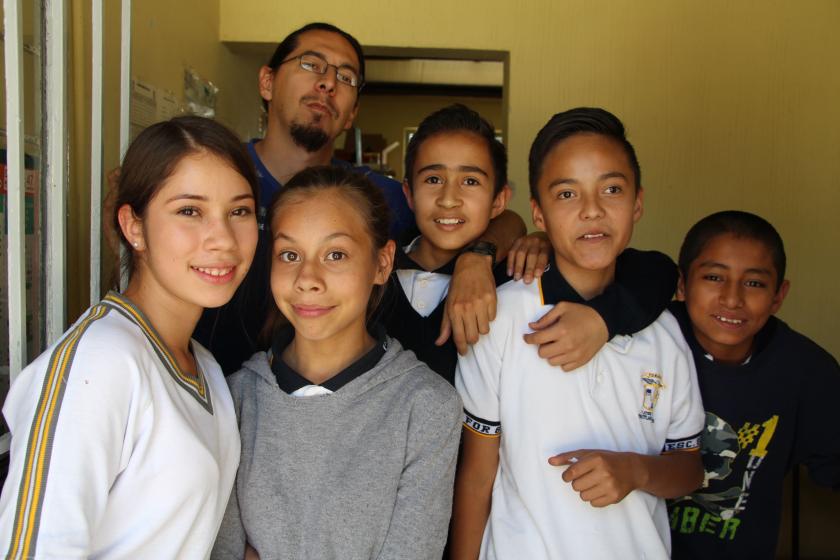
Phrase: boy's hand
x=470 y=303
x=251 y=553
x=600 y=477
x=569 y=335
x=528 y=257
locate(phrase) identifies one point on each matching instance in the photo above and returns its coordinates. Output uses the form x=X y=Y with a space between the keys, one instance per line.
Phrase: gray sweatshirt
x=362 y=473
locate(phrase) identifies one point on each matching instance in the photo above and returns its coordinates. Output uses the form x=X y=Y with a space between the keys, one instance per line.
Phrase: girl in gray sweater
x=349 y=442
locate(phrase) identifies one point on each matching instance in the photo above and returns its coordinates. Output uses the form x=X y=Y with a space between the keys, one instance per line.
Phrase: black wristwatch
x=482 y=248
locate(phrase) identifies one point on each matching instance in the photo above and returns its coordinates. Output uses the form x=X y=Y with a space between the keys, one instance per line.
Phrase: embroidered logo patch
x=652 y=386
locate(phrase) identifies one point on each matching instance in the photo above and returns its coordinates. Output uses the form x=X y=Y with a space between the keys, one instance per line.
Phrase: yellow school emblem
x=652 y=387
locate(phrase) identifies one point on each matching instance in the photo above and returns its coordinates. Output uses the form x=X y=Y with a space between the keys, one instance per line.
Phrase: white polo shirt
x=637 y=394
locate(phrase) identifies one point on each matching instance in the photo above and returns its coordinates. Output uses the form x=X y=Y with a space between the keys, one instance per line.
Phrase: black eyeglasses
x=318 y=65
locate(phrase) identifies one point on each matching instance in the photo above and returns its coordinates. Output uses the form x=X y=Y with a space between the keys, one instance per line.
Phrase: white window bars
x=54 y=160
x=55 y=167
x=96 y=109
x=13 y=28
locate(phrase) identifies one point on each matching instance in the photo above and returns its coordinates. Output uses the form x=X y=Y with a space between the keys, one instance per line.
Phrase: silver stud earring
x=136 y=244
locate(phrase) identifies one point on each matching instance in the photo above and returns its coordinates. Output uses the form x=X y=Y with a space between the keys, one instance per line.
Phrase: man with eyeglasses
x=310 y=89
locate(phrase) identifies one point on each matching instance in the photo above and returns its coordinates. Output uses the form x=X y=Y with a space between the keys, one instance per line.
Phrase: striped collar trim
x=194 y=385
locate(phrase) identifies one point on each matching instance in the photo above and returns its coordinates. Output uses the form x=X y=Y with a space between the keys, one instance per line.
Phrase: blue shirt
x=402 y=218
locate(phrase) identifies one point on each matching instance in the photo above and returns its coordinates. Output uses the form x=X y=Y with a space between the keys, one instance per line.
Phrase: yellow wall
x=170 y=36
x=79 y=91
x=166 y=38
x=730 y=104
x=390 y=114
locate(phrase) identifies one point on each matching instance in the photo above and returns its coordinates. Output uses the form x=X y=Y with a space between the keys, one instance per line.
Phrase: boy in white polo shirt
x=542 y=447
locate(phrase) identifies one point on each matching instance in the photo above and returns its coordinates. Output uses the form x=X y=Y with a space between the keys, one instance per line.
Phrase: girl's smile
x=323 y=270
x=198 y=236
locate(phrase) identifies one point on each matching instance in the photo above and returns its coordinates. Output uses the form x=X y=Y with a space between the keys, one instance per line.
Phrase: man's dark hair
x=739 y=224
x=290 y=43
x=458 y=118
x=577 y=121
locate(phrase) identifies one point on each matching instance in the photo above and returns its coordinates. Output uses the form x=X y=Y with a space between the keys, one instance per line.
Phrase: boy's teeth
x=214 y=271
x=592 y=235
x=448 y=221
x=730 y=321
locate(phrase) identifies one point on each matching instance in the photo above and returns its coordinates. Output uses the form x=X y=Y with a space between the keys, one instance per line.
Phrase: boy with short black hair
x=456 y=181
x=620 y=433
x=769 y=392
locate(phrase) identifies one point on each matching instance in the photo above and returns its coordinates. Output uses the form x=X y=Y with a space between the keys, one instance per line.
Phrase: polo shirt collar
x=290 y=381
x=554 y=288
x=404 y=262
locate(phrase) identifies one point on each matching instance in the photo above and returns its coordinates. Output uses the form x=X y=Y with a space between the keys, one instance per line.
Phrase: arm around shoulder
x=570 y=334
x=503 y=230
x=645 y=282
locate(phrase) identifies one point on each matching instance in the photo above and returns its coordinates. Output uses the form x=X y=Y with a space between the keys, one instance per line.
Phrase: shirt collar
x=554 y=288
x=762 y=337
x=269 y=185
x=712 y=359
x=290 y=381
x=404 y=262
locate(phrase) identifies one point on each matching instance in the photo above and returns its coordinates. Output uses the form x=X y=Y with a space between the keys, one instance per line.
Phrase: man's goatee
x=310 y=138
